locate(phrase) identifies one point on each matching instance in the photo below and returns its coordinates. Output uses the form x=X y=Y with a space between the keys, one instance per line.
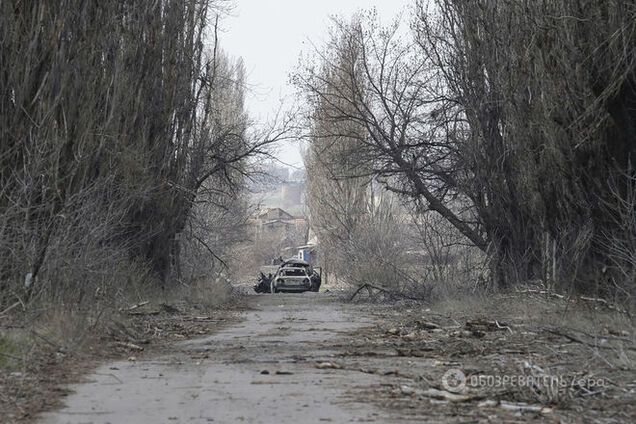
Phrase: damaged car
x=293 y=275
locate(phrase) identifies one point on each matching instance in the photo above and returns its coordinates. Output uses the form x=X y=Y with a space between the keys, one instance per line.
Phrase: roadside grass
x=75 y=328
x=601 y=338
x=49 y=344
x=13 y=348
x=586 y=345
x=541 y=310
x=205 y=293
x=522 y=304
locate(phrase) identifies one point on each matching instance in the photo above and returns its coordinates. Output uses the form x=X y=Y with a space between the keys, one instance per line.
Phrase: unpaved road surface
x=272 y=367
x=310 y=358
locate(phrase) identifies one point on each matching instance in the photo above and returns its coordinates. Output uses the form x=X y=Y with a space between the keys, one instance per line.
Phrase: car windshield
x=295 y=265
x=293 y=272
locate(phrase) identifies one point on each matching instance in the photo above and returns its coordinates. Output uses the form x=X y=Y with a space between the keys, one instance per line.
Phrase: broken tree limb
x=542 y=292
x=46 y=340
x=381 y=289
x=138 y=305
x=505 y=326
x=448 y=396
x=524 y=407
x=605 y=303
x=130 y=346
x=575 y=339
x=598 y=300
x=10 y=308
x=7 y=355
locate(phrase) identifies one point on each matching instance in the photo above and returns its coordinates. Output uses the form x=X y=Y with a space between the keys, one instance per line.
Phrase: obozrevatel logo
x=454 y=380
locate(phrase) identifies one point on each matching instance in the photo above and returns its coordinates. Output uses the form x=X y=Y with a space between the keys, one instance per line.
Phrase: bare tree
x=390 y=97
x=544 y=89
x=488 y=118
x=117 y=107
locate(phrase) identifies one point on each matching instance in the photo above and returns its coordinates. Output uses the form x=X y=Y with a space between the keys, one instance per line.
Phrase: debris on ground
x=140 y=329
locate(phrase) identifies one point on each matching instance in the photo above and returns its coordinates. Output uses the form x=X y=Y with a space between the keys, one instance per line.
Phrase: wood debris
x=328 y=365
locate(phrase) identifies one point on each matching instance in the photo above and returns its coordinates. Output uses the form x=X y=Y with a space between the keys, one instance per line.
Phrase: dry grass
x=51 y=345
x=504 y=335
x=547 y=310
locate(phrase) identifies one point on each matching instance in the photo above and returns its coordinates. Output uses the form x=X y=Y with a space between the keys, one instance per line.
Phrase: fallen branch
x=541 y=292
x=111 y=375
x=9 y=309
x=6 y=355
x=604 y=303
x=328 y=365
x=130 y=346
x=448 y=396
x=49 y=342
x=381 y=289
x=507 y=327
x=138 y=305
x=524 y=407
x=583 y=342
x=549 y=293
x=136 y=313
x=600 y=336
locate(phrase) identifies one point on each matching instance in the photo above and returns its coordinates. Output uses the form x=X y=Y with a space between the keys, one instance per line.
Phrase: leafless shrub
x=620 y=244
x=443 y=259
x=375 y=250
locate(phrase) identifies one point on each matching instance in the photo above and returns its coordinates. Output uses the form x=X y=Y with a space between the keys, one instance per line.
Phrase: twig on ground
x=583 y=342
x=111 y=375
x=7 y=355
x=541 y=292
x=575 y=298
x=47 y=341
x=604 y=303
x=381 y=289
x=131 y=346
x=9 y=309
x=522 y=407
x=138 y=305
x=507 y=327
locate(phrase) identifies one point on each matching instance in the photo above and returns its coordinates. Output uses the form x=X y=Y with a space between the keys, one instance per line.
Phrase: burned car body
x=293 y=275
x=263 y=284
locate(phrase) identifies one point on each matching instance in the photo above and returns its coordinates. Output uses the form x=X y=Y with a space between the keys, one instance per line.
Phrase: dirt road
x=273 y=366
x=310 y=358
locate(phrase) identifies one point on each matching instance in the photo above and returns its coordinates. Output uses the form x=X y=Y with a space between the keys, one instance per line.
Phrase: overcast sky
x=270 y=35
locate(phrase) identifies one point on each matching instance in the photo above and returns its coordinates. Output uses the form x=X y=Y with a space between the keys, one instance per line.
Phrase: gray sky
x=271 y=34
